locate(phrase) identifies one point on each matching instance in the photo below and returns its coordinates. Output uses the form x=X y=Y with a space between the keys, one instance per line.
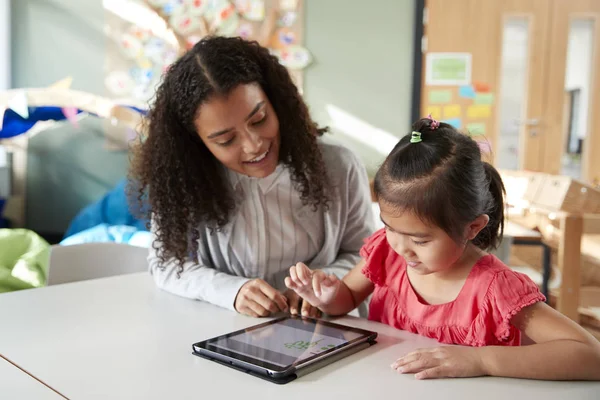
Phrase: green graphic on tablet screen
x=290 y=341
x=302 y=345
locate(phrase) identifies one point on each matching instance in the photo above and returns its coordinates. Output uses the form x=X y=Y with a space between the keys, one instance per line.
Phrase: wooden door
x=533 y=18
x=468 y=27
x=568 y=18
x=477 y=27
x=524 y=116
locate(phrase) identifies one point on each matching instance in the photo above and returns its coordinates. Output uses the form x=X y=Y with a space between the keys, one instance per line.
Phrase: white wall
x=52 y=39
x=4 y=44
x=363 y=53
x=579 y=67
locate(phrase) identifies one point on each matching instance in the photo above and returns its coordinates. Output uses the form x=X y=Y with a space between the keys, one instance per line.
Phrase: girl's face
x=426 y=248
x=241 y=130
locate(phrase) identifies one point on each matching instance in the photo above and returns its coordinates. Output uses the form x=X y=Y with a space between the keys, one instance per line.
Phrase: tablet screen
x=287 y=341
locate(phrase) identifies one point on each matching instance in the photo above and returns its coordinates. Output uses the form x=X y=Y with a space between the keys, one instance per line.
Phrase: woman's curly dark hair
x=176 y=180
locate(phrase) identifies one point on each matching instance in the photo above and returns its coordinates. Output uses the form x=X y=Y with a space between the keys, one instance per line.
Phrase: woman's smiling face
x=241 y=130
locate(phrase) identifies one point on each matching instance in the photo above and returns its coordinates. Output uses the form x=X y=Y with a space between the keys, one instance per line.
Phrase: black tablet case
x=302 y=372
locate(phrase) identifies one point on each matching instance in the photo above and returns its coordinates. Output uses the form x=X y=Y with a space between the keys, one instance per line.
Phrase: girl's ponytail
x=491 y=235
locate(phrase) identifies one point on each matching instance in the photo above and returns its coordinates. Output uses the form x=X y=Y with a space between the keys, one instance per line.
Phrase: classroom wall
x=67 y=167
x=362 y=77
x=4 y=44
x=360 y=84
x=55 y=38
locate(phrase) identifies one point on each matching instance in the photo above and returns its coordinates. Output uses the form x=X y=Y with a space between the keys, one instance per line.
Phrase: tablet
x=283 y=349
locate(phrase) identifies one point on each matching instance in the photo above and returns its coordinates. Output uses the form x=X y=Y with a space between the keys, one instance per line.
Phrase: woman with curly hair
x=238 y=185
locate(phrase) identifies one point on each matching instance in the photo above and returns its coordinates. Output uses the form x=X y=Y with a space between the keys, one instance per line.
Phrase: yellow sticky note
x=434 y=111
x=452 y=111
x=479 y=111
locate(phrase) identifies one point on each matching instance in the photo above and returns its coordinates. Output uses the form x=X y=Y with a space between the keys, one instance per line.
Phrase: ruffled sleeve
x=508 y=294
x=375 y=252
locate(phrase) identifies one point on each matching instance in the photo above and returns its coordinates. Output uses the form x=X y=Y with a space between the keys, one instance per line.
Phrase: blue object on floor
x=112 y=209
x=111 y=233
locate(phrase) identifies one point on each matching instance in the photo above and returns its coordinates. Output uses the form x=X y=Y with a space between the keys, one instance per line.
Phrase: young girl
x=429 y=272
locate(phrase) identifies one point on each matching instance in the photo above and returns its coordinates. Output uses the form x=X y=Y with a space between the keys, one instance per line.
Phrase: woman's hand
x=442 y=362
x=299 y=306
x=257 y=298
x=316 y=286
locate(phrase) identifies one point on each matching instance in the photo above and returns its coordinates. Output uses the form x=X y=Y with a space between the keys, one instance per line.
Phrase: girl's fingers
x=418 y=365
x=432 y=373
x=304 y=273
x=318 y=278
x=294 y=303
x=411 y=357
x=289 y=283
x=294 y=276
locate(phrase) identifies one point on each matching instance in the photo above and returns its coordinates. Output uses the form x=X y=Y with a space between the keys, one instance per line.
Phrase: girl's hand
x=316 y=287
x=442 y=362
x=299 y=306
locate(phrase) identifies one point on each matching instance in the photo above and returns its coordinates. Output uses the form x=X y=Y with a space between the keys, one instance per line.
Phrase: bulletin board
x=139 y=52
x=451 y=95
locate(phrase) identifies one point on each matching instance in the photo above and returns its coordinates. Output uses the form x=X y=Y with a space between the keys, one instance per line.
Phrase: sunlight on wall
x=4 y=44
x=361 y=131
x=140 y=15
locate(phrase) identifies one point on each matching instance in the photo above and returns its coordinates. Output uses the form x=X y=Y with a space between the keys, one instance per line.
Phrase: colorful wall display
x=146 y=36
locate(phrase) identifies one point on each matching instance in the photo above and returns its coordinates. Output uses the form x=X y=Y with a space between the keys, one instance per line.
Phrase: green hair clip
x=415 y=137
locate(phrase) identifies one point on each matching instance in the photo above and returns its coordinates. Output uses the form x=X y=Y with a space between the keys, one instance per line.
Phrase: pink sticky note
x=71 y=114
x=484 y=146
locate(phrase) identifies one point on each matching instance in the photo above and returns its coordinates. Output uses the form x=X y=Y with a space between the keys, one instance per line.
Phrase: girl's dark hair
x=444 y=181
x=177 y=180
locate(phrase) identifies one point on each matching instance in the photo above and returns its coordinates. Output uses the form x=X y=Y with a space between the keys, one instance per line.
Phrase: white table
x=122 y=338
x=17 y=385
